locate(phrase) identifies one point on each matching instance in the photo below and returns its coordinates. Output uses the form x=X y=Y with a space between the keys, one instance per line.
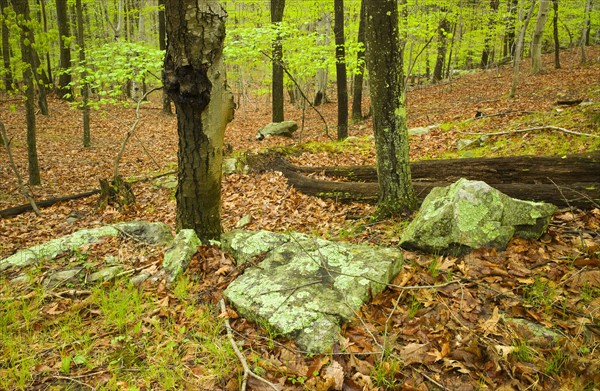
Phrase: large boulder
x=304 y=287
x=471 y=214
x=284 y=129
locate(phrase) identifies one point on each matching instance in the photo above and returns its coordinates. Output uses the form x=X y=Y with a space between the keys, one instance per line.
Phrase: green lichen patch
x=470 y=214
x=303 y=286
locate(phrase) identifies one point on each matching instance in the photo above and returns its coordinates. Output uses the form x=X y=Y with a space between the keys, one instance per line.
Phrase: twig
x=534 y=128
x=73 y=380
x=301 y=92
x=429 y=378
x=22 y=188
x=247 y=370
x=501 y=114
x=130 y=132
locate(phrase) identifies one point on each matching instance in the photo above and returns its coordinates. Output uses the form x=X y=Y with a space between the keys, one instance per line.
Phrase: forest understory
x=523 y=318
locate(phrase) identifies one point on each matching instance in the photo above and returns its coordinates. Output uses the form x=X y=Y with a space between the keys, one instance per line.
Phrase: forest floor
x=523 y=318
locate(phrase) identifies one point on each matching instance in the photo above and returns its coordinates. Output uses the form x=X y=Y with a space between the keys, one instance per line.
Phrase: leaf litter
x=524 y=318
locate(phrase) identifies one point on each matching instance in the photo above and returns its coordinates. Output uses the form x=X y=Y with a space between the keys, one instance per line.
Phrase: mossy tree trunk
x=194 y=78
x=22 y=10
x=384 y=63
x=8 y=79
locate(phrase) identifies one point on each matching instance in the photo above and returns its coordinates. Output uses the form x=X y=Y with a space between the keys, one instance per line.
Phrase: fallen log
x=17 y=210
x=572 y=180
x=583 y=195
x=515 y=169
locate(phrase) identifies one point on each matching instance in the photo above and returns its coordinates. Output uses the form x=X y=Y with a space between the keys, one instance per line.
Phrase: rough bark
x=85 y=89
x=357 y=92
x=277 y=7
x=22 y=9
x=195 y=80
x=162 y=44
x=64 y=78
x=340 y=70
x=384 y=62
x=572 y=180
x=538 y=33
x=8 y=79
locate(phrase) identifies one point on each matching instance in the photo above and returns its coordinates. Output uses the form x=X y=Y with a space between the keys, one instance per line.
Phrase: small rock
x=244 y=221
x=105 y=274
x=284 y=129
x=178 y=256
x=62 y=277
x=229 y=165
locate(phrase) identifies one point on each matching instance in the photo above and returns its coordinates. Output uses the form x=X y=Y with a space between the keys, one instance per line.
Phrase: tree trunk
x=277 y=7
x=64 y=78
x=45 y=20
x=555 y=34
x=486 y=55
x=166 y=101
x=8 y=79
x=519 y=50
x=510 y=30
x=323 y=28
x=571 y=180
x=586 y=29
x=384 y=62
x=22 y=10
x=538 y=34
x=443 y=30
x=195 y=80
x=357 y=93
x=85 y=89
x=340 y=70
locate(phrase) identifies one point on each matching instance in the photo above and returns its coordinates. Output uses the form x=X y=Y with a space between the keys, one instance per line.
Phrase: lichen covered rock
x=305 y=287
x=471 y=214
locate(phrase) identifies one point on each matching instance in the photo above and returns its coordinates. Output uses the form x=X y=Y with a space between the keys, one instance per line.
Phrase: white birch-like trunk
x=519 y=50
x=538 y=34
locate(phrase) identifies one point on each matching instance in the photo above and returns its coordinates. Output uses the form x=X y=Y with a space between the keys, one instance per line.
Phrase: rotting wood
x=572 y=180
x=17 y=210
x=515 y=169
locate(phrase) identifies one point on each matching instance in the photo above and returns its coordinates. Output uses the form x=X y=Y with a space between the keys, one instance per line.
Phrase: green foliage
x=110 y=67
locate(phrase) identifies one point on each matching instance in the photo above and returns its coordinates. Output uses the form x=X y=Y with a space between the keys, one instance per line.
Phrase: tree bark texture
x=384 y=63
x=64 y=78
x=538 y=34
x=22 y=9
x=564 y=181
x=162 y=45
x=8 y=79
x=277 y=7
x=357 y=92
x=340 y=70
x=195 y=80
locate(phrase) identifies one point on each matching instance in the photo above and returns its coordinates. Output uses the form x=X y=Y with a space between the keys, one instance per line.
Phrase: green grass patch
x=132 y=338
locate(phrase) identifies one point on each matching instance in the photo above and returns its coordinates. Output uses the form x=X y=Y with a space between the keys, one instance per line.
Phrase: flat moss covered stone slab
x=305 y=287
x=471 y=214
x=153 y=233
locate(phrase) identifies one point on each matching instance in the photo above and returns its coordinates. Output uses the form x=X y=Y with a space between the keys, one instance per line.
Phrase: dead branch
x=247 y=370
x=532 y=129
x=287 y=72
x=22 y=189
x=131 y=133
